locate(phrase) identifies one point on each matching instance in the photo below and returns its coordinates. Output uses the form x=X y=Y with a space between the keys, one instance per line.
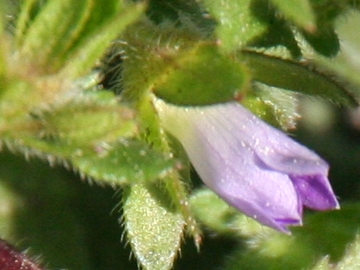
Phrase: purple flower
x=251 y=165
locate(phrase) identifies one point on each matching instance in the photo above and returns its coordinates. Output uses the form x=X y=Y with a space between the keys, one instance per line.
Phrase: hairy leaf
x=154 y=229
x=293 y=76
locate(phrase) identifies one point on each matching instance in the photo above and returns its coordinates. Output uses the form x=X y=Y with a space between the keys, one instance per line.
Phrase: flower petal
x=234 y=172
x=309 y=171
x=273 y=146
x=306 y=169
x=315 y=192
x=251 y=165
x=227 y=164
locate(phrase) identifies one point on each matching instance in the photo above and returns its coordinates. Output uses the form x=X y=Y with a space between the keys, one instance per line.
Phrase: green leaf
x=148 y=51
x=28 y=11
x=123 y=163
x=115 y=163
x=176 y=183
x=293 y=76
x=66 y=31
x=2 y=21
x=300 y=11
x=94 y=46
x=154 y=229
x=57 y=22
x=237 y=23
x=3 y=49
x=178 y=67
x=95 y=135
x=95 y=117
x=202 y=76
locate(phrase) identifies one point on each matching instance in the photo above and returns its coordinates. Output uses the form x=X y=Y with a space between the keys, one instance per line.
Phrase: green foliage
x=299 y=11
x=153 y=227
x=345 y=64
x=324 y=234
x=180 y=12
x=283 y=73
x=275 y=105
x=237 y=23
x=65 y=221
x=151 y=52
x=83 y=34
x=324 y=40
x=190 y=81
x=350 y=260
x=189 y=53
x=85 y=133
x=221 y=217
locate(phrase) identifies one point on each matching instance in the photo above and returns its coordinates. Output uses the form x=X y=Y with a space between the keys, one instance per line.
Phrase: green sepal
x=296 y=77
x=176 y=65
x=202 y=76
x=148 y=50
x=274 y=105
x=154 y=229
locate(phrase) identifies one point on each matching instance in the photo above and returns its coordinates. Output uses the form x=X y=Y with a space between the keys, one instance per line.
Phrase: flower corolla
x=253 y=166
